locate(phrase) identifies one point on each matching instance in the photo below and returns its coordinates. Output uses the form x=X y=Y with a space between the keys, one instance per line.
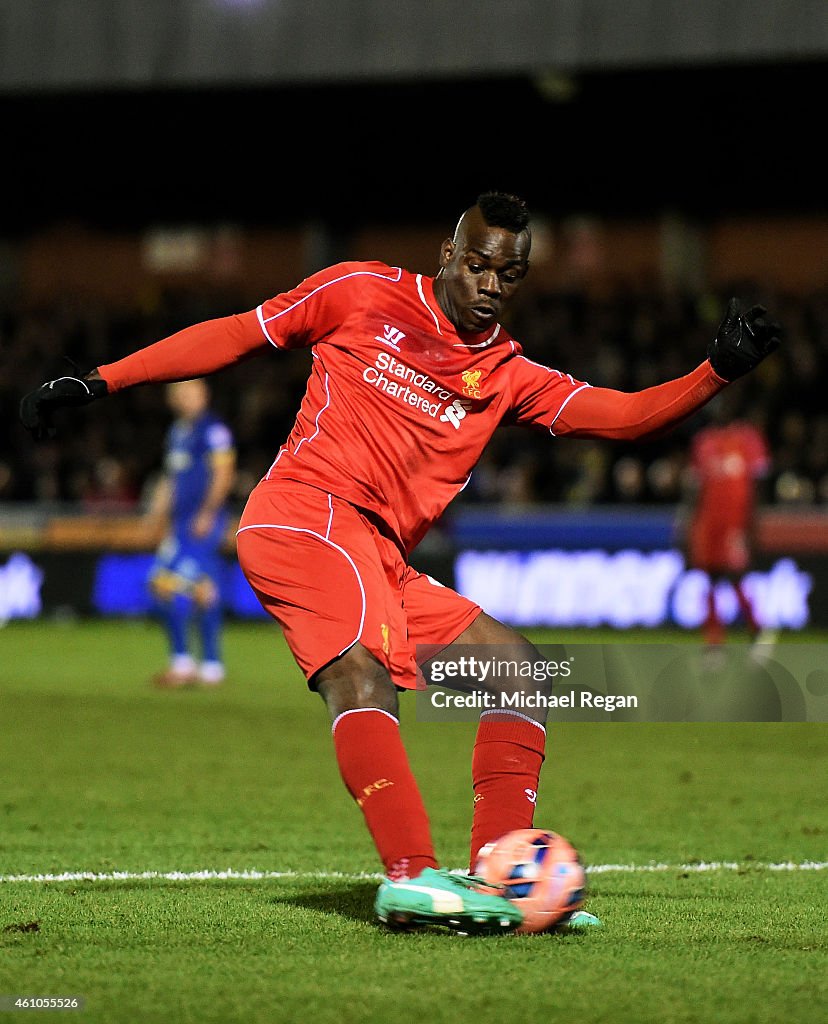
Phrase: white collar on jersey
x=436 y=319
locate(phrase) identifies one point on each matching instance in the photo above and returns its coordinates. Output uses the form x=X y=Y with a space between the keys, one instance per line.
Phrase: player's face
x=188 y=398
x=481 y=269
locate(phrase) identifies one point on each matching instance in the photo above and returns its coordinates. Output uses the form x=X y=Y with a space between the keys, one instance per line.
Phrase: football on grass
x=542 y=875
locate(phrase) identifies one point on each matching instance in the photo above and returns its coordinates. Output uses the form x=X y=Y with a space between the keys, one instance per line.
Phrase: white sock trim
x=356 y=711
x=514 y=714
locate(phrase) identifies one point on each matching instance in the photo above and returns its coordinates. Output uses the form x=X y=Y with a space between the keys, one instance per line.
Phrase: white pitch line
x=358 y=876
x=189 y=876
x=703 y=866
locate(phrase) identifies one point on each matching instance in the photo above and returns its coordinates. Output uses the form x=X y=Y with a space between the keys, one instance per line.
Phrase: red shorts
x=322 y=569
x=719 y=547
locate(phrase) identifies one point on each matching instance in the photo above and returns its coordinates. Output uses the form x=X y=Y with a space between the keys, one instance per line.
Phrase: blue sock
x=176 y=616
x=210 y=626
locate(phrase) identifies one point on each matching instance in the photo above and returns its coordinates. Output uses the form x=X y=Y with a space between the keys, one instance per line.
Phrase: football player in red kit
x=410 y=377
x=727 y=459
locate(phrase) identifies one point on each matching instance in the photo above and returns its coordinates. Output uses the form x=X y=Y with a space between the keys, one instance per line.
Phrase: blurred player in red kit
x=410 y=377
x=727 y=459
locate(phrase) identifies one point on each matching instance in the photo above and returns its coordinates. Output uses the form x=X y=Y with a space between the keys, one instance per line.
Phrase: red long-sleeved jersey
x=400 y=404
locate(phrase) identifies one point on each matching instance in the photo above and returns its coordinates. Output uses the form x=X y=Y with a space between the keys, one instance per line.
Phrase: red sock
x=747 y=609
x=508 y=754
x=713 y=629
x=374 y=766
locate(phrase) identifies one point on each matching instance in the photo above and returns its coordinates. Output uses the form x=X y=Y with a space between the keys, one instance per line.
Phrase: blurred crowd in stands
x=107 y=455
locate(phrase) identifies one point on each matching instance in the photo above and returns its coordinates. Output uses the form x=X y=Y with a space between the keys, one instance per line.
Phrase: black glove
x=742 y=341
x=37 y=409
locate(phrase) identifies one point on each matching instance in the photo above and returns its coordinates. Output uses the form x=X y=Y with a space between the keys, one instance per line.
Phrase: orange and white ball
x=542 y=874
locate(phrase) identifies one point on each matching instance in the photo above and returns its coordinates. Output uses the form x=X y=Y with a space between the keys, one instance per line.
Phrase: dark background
x=706 y=142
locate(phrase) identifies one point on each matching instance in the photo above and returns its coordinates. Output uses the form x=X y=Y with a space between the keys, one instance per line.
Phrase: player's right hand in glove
x=743 y=340
x=37 y=409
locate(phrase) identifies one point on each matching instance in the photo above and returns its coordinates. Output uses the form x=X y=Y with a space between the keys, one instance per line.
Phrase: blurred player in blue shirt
x=199 y=471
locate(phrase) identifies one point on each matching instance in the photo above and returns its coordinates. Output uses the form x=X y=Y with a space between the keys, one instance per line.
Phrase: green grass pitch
x=100 y=773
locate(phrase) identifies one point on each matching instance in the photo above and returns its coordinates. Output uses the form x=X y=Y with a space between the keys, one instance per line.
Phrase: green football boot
x=582 y=920
x=436 y=896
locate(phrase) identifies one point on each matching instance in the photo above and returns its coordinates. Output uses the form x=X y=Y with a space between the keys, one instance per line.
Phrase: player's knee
x=205 y=593
x=356 y=680
x=513 y=672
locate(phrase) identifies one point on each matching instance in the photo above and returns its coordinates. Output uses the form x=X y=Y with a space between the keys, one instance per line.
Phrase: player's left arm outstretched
x=742 y=341
x=292 y=319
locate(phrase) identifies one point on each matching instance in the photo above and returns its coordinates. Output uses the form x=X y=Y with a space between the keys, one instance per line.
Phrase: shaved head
x=499 y=210
x=484 y=261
